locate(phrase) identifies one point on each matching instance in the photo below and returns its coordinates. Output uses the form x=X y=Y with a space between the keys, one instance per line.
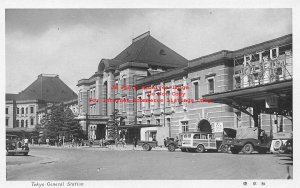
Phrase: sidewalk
x=128 y=147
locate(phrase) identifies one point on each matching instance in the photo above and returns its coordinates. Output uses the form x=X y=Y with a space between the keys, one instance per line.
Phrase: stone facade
x=127 y=82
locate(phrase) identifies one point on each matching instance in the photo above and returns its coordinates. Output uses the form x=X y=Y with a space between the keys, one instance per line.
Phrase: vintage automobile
x=14 y=146
x=282 y=143
x=250 y=139
x=228 y=137
x=172 y=144
x=147 y=145
x=199 y=142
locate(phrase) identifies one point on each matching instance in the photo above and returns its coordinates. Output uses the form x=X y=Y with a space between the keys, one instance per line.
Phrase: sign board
x=217 y=127
x=272 y=102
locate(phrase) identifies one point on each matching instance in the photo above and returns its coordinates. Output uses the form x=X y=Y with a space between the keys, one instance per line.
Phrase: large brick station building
x=185 y=89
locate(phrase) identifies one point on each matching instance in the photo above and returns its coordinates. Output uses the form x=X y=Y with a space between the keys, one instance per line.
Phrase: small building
x=22 y=108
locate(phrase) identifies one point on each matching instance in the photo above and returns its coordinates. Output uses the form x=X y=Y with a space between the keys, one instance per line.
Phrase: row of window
x=196 y=87
x=157 y=122
x=23 y=110
x=21 y=123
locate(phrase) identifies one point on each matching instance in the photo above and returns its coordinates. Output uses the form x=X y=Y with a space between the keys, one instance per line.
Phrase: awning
x=256 y=96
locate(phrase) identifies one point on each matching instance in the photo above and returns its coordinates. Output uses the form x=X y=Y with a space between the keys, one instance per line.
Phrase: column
x=110 y=92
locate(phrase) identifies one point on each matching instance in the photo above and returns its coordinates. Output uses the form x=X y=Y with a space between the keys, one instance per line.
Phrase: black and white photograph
x=113 y=94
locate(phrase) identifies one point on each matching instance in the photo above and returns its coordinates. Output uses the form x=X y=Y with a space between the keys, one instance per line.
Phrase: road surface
x=105 y=164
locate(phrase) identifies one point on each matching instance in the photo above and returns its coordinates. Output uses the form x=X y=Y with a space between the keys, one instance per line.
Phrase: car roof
x=196 y=132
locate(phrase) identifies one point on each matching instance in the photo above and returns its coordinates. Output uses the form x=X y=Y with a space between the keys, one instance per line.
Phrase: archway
x=204 y=126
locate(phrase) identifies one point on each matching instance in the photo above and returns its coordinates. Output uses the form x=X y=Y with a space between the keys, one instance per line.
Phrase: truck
x=250 y=139
x=147 y=145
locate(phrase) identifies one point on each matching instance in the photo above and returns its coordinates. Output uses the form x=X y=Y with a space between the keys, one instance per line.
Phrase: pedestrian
x=47 y=141
x=73 y=142
x=116 y=142
x=26 y=141
x=135 y=141
x=39 y=141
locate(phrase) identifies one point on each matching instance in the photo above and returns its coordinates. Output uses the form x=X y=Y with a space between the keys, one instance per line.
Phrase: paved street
x=106 y=164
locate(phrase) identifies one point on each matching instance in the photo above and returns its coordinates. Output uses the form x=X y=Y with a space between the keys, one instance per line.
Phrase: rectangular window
x=26 y=110
x=26 y=123
x=157 y=121
x=31 y=121
x=168 y=98
x=139 y=104
x=31 y=110
x=179 y=96
x=196 y=90
x=124 y=105
x=238 y=115
x=22 y=110
x=149 y=103
x=18 y=110
x=6 y=122
x=6 y=110
x=185 y=128
x=237 y=82
x=211 y=86
x=17 y=123
x=169 y=122
x=158 y=99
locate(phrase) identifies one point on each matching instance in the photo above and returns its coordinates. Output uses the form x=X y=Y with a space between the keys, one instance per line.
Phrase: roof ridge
x=137 y=57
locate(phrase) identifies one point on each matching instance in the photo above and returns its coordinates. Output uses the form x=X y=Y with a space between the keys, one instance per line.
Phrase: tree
x=114 y=124
x=60 y=122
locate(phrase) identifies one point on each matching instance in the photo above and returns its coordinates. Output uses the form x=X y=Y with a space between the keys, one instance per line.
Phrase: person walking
x=135 y=140
x=26 y=141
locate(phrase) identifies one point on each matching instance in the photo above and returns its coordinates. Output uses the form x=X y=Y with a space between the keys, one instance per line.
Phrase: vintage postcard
x=106 y=97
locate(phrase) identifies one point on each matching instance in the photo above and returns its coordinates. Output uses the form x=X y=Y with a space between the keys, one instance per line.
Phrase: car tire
x=223 y=148
x=26 y=154
x=183 y=149
x=171 y=147
x=200 y=149
x=248 y=148
x=146 y=147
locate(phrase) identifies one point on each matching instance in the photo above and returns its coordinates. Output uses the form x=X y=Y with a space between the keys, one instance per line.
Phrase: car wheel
x=183 y=149
x=26 y=154
x=146 y=147
x=234 y=150
x=223 y=148
x=248 y=148
x=171 y=147
x=150 y=148
x=200 y=149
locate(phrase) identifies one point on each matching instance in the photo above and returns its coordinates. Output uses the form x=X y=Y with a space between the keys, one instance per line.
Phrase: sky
x=71 y=42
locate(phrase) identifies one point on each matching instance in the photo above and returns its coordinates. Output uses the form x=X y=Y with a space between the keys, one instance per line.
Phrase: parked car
x=147 y=145
x=250 y=139
x=172 y=144
x=228 y=137
x=199 y=142
x=282 y=143
x=14 y=146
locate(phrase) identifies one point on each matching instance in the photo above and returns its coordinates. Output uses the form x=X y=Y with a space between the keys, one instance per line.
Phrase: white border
x=294 y=4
